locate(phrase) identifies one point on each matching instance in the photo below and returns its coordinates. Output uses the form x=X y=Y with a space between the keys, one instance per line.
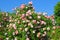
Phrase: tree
x=57 y=13
x=57 y=9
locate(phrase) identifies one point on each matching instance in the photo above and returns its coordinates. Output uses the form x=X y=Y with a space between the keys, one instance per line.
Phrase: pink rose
x=29 y=11
x=34 y=21
x=14 y=26
x=16 y=32
x=27 y=14
x=23 y=16
x=38 y=34
x=22 y=6
x=42 y=22
x=47 y=17
x=18 y=22
x=52 y=17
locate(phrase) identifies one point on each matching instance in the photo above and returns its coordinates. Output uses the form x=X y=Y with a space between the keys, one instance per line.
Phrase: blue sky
x=39 y=5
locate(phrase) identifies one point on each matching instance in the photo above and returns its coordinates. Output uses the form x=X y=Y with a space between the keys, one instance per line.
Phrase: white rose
x=23 y=21
x=13 y=33
x=54 y=27
x=34 y=31
x=27 y=20
x=7 y=38
x=5 y=33
x=27 y=39
x=44 y=28
x=15 y=38
x=43 y=35
x=30 y=17
x=31 y=26
x=38 y=22
x=26 y=29
x=38 y=17
x=48 y=28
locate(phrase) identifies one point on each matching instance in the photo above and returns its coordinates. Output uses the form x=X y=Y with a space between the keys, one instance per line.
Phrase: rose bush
x=26 y=24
